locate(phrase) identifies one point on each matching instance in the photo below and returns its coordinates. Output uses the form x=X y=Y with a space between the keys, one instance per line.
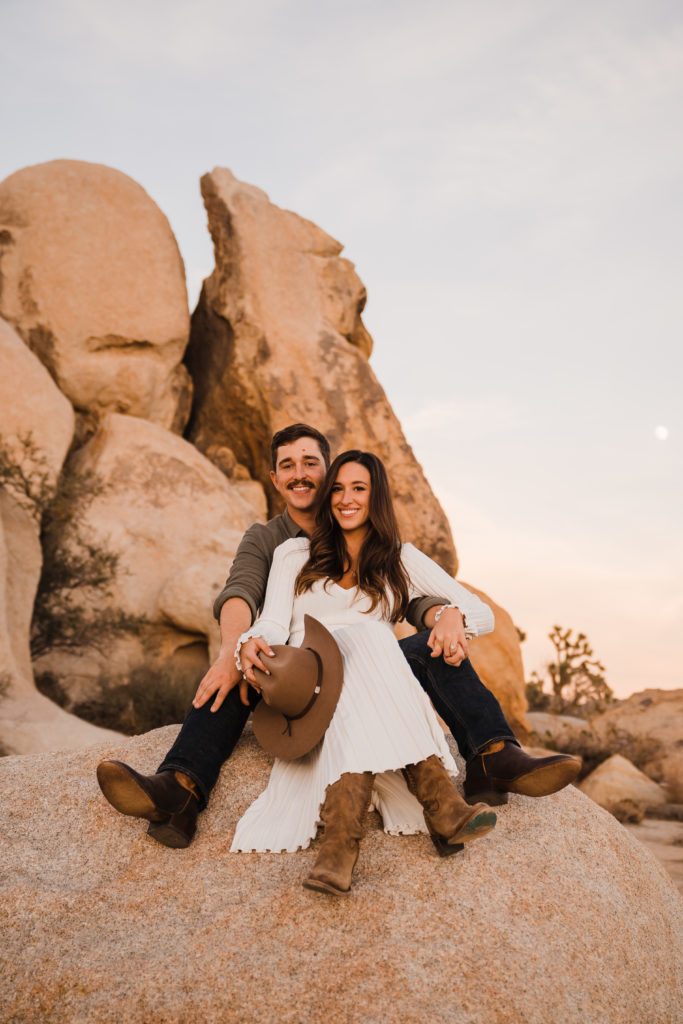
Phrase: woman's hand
x=447 y=638
x=250 y=652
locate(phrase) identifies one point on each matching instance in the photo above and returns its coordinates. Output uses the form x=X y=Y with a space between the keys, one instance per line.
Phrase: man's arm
x=235 y=608
x=224 y=674
x=418 y=608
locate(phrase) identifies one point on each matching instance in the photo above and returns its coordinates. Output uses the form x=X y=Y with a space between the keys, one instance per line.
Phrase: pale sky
x=507 y=176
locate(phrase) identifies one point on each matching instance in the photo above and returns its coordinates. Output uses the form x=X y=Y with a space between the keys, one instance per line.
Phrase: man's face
x=299 y=471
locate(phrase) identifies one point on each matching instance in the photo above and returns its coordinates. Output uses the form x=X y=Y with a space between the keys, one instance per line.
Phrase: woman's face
x=350 y=498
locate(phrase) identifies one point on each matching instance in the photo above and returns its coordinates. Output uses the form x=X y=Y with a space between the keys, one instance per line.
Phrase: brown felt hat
x=300 y=694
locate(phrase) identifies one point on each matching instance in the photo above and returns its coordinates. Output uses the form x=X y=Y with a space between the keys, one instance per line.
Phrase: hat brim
x=271 y=727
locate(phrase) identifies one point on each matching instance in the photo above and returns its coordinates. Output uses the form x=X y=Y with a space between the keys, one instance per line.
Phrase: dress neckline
x=345 y=589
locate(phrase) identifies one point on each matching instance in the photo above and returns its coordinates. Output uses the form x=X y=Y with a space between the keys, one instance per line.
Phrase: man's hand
x=447 y=638
x=250 y=656
x=220 y=679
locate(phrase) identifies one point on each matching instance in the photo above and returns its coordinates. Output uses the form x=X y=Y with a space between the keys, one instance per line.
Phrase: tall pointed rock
x=278 y=338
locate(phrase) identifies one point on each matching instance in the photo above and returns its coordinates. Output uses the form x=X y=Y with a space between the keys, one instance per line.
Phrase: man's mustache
x=300 y=483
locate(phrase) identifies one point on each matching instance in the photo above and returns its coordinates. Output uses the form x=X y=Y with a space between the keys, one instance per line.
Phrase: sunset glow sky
x=507 y=178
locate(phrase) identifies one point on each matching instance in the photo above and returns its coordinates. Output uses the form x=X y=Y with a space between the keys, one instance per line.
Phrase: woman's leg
x=450 y=820
x=346 y=803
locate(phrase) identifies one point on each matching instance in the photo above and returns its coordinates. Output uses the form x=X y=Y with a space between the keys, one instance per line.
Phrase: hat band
x=316 y=690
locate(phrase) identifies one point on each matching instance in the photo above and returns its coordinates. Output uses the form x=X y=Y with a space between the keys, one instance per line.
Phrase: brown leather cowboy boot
x=505 y=768
x=168 y=800
x=451 y=821
x=346 y=803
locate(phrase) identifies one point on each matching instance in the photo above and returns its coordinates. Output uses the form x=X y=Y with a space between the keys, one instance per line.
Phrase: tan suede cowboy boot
x=342 y=814
x=448 y=817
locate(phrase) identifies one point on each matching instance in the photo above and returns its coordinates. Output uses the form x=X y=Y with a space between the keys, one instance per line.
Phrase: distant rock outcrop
x=616 y=780
x=277 y=338
x=557 y=916
x=557 y=731
x=36 y=427
x=650 y=722
x=92 y=279
x=174 y=521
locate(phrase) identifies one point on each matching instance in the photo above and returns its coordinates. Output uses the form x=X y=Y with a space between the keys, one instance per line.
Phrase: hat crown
x=294 y=675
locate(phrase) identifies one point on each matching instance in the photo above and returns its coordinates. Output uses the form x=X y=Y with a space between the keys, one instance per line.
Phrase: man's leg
x=207 y=739
x=172 y=798
x=496 y=764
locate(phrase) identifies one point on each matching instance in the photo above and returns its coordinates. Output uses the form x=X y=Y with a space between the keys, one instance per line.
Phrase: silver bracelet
x=443 y=609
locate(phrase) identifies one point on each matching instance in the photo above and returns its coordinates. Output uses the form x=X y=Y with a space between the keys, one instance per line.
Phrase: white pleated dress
x=383 y=720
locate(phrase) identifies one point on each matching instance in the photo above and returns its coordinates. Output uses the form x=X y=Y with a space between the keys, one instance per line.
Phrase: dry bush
x=629 y=812
x=133 y=704
x=593 y=749
x=672 y=779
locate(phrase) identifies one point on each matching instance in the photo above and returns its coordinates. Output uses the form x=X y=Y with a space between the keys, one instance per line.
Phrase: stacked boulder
x=95 y=325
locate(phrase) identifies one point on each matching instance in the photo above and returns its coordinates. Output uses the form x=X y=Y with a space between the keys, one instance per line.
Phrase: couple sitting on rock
x=344 y=708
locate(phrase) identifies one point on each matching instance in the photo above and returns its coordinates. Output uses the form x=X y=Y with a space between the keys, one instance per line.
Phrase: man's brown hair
x=292 y=433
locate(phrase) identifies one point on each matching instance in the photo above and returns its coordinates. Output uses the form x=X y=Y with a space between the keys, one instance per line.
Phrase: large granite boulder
x=92 y=279
x=36 y=420
x=174 y=522
x=557 y=916
x=36 y=427
x=649 y=726
x=278 y=338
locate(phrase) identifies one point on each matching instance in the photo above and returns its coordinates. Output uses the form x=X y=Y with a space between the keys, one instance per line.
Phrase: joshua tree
x=576 y=681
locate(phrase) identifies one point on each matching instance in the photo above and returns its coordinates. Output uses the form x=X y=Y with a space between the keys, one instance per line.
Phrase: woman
x=356 y=578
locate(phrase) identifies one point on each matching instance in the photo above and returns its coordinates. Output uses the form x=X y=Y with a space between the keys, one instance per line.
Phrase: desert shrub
x=133 y=704
x=629 y=812
x=25 y=475
x=594 y=749
x=70 y=610
x=574 y=683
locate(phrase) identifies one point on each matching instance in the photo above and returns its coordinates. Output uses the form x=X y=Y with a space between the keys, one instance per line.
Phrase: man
x=172 y=798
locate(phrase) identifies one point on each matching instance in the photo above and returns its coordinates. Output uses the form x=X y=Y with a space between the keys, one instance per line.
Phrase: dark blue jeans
x=474 y=716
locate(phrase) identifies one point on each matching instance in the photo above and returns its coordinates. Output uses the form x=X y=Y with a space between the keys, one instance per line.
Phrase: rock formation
x=651 y=722
x=174 y=521
x=558 y=915
x=558 y=731
x=497 y=659
x=92 y=280
x=278 y=338
x=36 y=426
x=616 y=780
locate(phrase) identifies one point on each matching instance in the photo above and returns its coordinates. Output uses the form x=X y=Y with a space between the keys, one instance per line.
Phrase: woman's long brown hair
x=379 y=562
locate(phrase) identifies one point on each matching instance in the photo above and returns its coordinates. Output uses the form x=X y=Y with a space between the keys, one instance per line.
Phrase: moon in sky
x=661 y=433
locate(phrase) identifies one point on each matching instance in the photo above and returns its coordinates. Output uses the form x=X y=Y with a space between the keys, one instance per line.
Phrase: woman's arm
x=273 y=624
x=450 y=626
x=426 y=577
